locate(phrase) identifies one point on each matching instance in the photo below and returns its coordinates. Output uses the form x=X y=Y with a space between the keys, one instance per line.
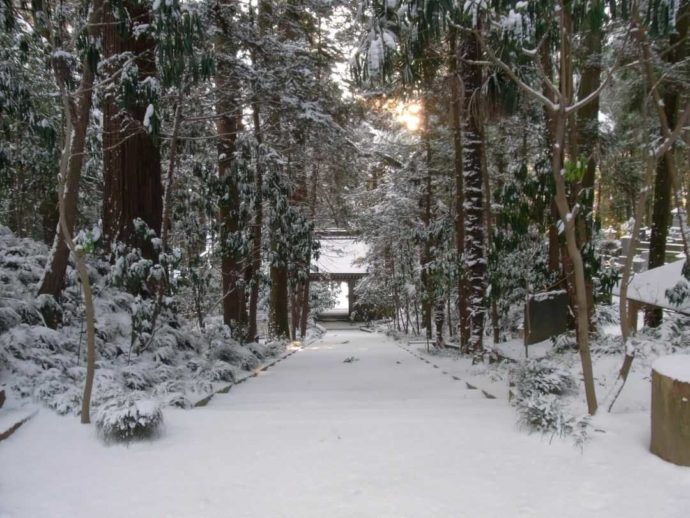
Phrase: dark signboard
x=546 y=315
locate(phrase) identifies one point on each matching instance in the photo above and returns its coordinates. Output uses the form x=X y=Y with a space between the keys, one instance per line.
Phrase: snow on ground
x=382 y=435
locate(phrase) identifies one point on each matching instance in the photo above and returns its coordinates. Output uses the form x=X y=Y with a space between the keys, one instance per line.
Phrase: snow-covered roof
x=650 y=287
x=341 y=255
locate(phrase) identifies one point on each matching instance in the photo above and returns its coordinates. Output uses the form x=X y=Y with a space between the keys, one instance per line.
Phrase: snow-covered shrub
x=166 y=336
x=138 y=376
x=564 y=342
x=28 y=314
x=131 y=271
x=142 y=311
x=63 y=398
x=124 y=417
x=165 y=354
x=257 y=350
x=542 y=377
x=50 y=310
x=543 y=413
x=235 y=354
x=172 y=393
x=273 y=348
x=222 y=371
x=607 y=344
x=606 y=314
x=175 y=364
x=539 y=389
x=9 y=318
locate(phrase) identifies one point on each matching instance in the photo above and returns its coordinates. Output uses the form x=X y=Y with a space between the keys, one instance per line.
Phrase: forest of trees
x=478 y=147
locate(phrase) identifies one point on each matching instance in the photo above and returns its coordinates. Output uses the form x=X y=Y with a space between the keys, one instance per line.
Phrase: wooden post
x=633 y=309
x=350 y=297
x=671 y=409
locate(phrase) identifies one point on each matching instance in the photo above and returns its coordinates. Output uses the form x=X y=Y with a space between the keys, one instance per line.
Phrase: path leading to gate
x=382 y=435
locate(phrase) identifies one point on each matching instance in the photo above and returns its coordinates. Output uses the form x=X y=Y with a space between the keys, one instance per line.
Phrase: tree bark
x=475 y=259
x=425 y=257
x=307 y=283
x=278 y=313
x=587 y=130
x=457 y=99
x=254 y=271
x=228 y=125
x=76 y=112
x=663 y=182
x=54 y=275
x=131 y=158
x=670 y=416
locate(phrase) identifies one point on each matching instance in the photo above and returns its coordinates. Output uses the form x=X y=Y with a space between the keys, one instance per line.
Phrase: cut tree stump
x=671 y=409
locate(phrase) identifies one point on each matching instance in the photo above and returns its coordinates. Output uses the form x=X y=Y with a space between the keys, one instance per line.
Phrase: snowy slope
x=385 y=435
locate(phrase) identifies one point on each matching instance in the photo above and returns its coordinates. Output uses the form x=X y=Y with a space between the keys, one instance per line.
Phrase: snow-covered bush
x=542 y=377
x=564 y=342
x=606 y=314
x=222 y=371
x=607 y=344
x=234 y=353
x=539 y=386
x=50 y=310
x=124 y=417
x=273 y=348
x=172 y=364
x=543 y=413
x=8 y=319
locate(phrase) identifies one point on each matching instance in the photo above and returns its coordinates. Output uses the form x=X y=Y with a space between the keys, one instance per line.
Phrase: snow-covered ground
x=381 y=435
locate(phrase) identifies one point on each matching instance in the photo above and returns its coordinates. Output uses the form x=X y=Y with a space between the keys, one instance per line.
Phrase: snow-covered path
x=384 y=436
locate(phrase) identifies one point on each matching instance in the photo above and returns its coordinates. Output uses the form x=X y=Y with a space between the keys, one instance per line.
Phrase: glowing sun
x=410 y=115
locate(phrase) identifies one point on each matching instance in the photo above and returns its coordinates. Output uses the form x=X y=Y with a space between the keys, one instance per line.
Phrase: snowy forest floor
x=381 y=435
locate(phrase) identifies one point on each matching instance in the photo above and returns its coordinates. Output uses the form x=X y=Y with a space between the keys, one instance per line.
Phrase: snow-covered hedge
x=43 y=342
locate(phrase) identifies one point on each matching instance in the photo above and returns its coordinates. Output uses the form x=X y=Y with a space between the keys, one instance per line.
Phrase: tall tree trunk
x=587 y=130
x=457 y=99
x=254 y=271
x=228 y=125
x=76 y=112
x=295 y=293
x=279 y=301
x=425 y=257
x=278 y=313
x=546 y=64
x=488 y=218
x=560 y=114
x=663 y=181
x=131 y=158
x=561 y=120
x=439 y=316
x=307 y=282
x=54 y=275
x=475 y=259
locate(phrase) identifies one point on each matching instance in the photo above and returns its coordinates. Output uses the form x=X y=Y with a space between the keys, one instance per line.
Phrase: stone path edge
x=252 y=374
x=468 y=385
x=6 y=434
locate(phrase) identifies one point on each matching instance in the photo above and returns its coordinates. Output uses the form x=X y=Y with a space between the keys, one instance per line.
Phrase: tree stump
x=671 y=409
